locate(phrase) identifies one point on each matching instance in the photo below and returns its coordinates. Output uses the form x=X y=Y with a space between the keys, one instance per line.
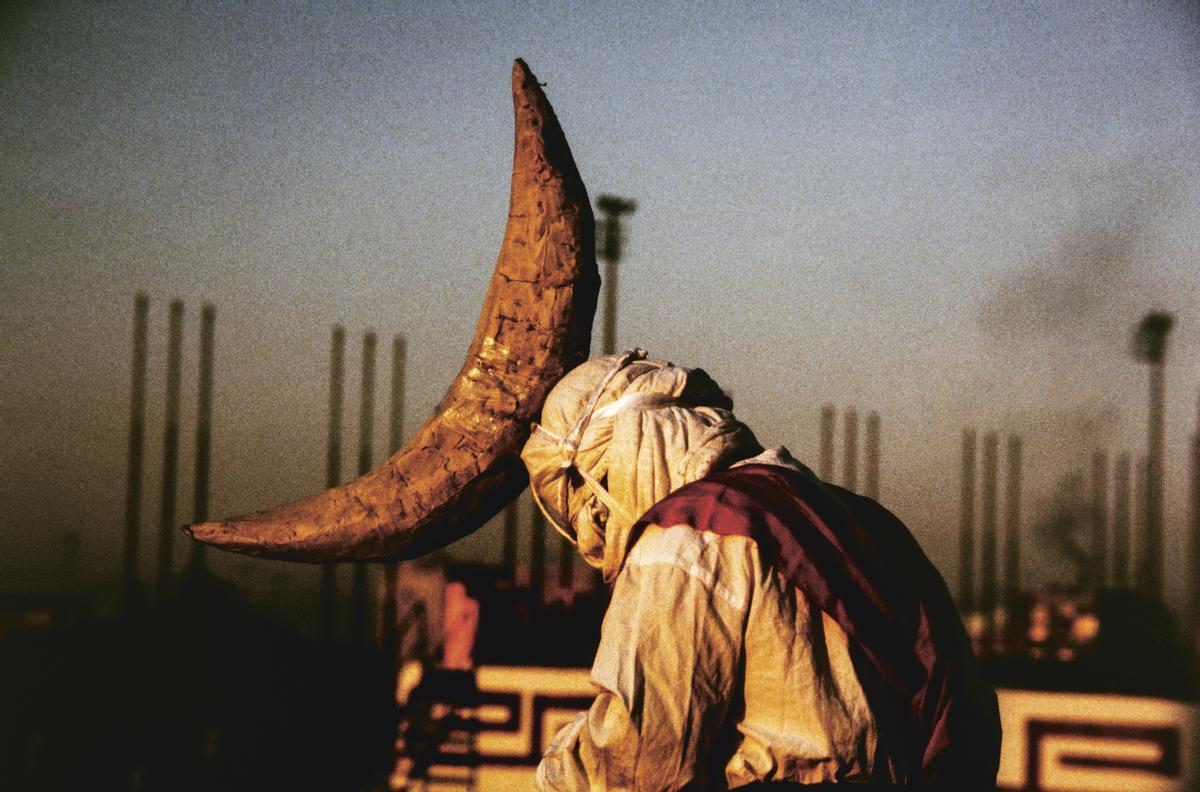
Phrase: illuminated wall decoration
x=1052 y=741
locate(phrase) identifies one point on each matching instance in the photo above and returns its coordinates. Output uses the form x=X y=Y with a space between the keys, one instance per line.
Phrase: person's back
x=718 y=670
x=755 y=633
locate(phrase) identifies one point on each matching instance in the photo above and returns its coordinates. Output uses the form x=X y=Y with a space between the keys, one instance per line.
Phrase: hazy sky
x=951 y=214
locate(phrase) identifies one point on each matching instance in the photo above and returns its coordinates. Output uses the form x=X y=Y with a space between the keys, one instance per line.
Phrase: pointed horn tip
x=523 y=78
x=218 y=533
x=202 y=532
x=225 y=535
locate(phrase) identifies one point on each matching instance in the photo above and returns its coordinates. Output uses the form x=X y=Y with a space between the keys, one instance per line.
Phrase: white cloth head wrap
x=619 y=434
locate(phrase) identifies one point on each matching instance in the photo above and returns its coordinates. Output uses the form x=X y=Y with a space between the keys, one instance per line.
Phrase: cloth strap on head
x=623 y=432
x=569 y=444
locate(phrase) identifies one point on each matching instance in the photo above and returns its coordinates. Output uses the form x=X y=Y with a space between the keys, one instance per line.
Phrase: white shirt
x=713 y=670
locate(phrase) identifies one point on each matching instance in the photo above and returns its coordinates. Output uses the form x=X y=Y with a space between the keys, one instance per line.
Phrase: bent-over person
x=765 y=627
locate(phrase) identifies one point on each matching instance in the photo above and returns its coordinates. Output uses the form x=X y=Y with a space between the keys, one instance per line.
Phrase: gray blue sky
x=950 y=213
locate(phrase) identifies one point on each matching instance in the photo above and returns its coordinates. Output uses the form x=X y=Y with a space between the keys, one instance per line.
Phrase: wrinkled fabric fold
x=855 y=561
x=714 y=673
x=626 y=430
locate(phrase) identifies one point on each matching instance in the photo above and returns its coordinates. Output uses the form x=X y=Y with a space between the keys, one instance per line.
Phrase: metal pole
x=366 y=415
x=609 y=338
x=166 y=523
x=872 y=456
x=1194 y=572
x=966 y=532
x=850 y=426
x=208 y=316
x=1150 y=346
x=987 y=559
x=333 y=472
x=1012 y=529
x=1099 y=576
x=389 y=637
x=511 y=528
x=137 y=432
x=366 y=431
x=537 y=562
x=828 y=426
x=1151 y=560
x=1120 y=524
x=1141 y=489
x=612 y=208
x=396 y=425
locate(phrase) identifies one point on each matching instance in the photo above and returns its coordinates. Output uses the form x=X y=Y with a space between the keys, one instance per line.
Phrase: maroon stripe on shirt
x=858 y=563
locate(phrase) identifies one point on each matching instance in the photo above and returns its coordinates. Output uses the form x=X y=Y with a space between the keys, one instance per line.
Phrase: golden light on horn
x=462 y=466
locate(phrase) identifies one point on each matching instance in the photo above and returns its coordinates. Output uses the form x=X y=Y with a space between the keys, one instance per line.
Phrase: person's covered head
x=618 y=434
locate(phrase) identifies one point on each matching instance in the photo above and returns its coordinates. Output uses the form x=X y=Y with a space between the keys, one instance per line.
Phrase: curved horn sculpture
x=462 y=466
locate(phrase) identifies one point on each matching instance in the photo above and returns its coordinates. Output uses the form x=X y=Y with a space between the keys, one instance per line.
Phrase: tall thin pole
x=208 y=318
x=166 y=522
x=1150 y=566
x=609 y=331
x=1150 y=346
x=850 y=426
x=1099 y=520
x=203 y=431
x=1141 y=488
x=1194 y=573
x=396 y=425
x=1012 y=527
x=366 y=431
x=391 y=570
x=611 y=249
x=872 y=456
x=366 y=415
x=987 y=558
x=828 y=427
x=333 y=472
x=137 y=433
x=1120 y=523
x=537 y=562
x=966 y=531
x=512 y=517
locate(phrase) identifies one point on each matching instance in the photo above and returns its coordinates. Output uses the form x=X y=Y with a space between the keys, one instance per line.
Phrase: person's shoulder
x=721 y=565
x=709 y=505
x=679 y=544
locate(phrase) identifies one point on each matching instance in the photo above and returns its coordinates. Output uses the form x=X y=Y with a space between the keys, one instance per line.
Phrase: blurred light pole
x=366 y=433
x=966 y=531
x=611 y=238
x=333 y=472
x=208 y=318
x=871 y=462
x=825 y=455
x=1194 y=573
x=389 y=636
x=1150 y=346
x=166 y=524
x=137 y=433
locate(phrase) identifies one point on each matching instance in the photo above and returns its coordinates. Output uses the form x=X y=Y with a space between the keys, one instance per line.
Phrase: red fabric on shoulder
x=857 y=562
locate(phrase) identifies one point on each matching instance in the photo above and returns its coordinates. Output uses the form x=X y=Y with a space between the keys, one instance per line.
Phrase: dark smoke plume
x=1073 y=293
